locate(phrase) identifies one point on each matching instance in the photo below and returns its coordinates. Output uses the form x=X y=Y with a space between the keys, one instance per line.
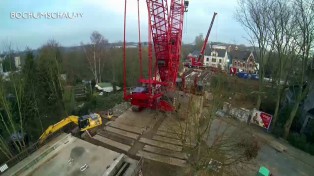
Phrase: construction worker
x=109 y=114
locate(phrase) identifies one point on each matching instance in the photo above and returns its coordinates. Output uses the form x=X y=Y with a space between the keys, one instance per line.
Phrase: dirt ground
x=153 y=168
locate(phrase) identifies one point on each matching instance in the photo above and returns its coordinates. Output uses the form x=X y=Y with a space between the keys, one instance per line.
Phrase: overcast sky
x=106 y=16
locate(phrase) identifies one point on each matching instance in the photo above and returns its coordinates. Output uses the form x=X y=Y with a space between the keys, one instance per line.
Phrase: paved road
x=283 y=163
x=292 y=162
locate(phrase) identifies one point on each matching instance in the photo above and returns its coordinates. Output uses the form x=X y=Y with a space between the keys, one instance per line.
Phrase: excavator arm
x=53 y=128
x=85 y=122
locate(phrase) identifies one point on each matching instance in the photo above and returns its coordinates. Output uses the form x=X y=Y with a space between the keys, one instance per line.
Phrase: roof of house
x=241 y=54
x=221 y=52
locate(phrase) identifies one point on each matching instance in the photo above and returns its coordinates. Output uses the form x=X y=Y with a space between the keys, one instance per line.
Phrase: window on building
x=251 y=58
x=213 y=59
x=207 y=59
x=219 y=60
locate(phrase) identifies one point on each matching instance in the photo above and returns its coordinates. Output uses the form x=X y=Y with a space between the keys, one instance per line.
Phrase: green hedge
x=300 y=141
x=100 y=103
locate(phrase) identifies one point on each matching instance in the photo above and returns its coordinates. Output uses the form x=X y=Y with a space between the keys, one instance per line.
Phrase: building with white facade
x=17 y=62
x=1 y=66
x=218 y=58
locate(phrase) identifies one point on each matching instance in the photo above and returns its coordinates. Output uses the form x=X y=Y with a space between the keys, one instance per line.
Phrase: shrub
x=298 y=140
x=278 y=130
x=309 y=148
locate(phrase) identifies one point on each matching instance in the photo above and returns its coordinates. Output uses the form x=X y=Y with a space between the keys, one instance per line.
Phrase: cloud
x=106 y=16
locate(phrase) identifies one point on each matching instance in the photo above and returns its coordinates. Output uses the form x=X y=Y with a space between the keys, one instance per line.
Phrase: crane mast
x=178 y=7
x=165 y=32
x=197 y=62
x=206 y=39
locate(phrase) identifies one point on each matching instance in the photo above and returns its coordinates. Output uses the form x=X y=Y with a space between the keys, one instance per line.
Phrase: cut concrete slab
x=167 y=140
x=161 y=144
x=122 y=132
x=133 y=129
x=112 y=143
x=68 y=156
x=166 y=152
x=161 y=158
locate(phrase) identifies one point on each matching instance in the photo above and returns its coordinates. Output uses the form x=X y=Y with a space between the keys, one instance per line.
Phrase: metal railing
x=138 y=169
x=28 y=151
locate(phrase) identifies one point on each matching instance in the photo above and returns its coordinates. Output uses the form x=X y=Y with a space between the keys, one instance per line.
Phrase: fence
x=138 y=170
x=26 y=152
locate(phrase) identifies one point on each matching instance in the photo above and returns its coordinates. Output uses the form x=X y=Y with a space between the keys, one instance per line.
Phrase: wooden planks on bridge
x=161 y=144
x=122 y=132
x=169 y=135
x=166 y=152
x=161 y=158
x=129 y=128
x=174 y=130
x=112 y=143
x=167 y=140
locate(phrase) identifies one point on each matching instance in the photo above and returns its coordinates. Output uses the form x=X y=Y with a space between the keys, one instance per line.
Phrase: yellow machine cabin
x=85 y=122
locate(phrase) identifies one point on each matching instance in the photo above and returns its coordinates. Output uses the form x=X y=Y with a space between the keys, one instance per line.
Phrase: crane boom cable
x=124 y=53
x=206 y=39
x=139 y=39
x=149 y=49
x=165 y=35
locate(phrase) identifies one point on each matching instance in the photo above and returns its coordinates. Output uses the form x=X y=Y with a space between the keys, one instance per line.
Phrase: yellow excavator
x=84 y=123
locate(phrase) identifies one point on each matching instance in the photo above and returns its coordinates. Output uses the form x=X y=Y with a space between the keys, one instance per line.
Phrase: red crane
x=165 y=35
x=198 y=62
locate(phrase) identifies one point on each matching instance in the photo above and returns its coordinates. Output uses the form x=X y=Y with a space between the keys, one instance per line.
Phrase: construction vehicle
x=198 y=62
x=84 y=123
x=165 y=35
x=202 y=82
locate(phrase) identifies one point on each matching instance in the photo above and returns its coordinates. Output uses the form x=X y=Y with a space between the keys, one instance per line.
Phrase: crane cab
x=89 y=121
x=140 y=89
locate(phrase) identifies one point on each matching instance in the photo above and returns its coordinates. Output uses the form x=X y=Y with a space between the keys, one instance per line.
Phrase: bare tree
x=95 y=53
x=252 y=14
x=281 y=32
x=7 y=113
x=4 y=148
x=199 y=41
x=303 y=17
x=208 y=139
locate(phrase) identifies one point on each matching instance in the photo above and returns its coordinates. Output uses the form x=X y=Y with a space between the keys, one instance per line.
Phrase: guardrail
x=26 y=152
x=138 y=169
